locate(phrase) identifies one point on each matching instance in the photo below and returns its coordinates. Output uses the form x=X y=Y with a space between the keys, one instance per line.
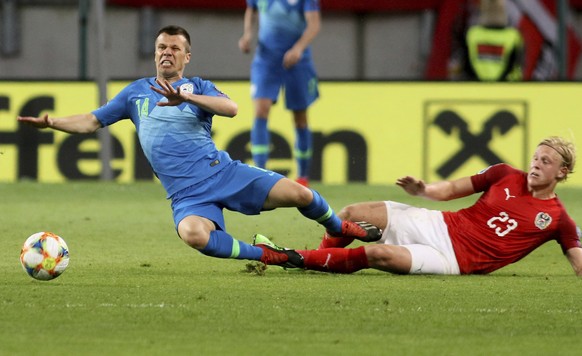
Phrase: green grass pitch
x=134 y=288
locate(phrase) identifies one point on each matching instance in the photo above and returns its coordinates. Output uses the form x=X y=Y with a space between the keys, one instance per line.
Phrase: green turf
x=133 y=288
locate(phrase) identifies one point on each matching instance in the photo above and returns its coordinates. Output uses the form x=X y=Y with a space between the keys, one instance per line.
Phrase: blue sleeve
x=252 y=3
x=206 y=87
x=114 y=110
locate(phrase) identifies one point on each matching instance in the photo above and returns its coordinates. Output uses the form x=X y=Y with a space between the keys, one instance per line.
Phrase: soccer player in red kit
x=517 y=212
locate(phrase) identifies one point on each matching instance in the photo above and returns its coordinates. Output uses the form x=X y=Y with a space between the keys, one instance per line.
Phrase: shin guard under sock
x=222 y=245
x=260 y=142
x=303 y=151
x=336 y=260
x=320 y=211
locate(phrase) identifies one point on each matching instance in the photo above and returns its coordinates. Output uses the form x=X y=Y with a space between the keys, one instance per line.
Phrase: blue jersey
x=281 y=24
x=175 y=139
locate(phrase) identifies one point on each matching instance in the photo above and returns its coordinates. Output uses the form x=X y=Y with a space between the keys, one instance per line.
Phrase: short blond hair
x=565 y=149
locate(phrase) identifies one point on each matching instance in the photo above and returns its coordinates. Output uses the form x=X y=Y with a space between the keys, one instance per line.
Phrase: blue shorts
x=300 y=82
x=238 y=187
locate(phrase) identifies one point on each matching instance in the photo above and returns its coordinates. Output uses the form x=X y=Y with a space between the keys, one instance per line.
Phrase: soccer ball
x=44 y=256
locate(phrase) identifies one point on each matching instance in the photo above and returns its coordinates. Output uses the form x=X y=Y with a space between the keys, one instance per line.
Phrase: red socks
x=336 y=260
x=330 y=242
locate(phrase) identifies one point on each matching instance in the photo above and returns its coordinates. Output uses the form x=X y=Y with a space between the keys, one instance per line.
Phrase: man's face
x=546 y=167
x=172 y=55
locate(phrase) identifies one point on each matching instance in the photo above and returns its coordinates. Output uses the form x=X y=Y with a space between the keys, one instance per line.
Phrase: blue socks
x=222 y=245
x=320 y=211
x=303 y=150
x=260 y=141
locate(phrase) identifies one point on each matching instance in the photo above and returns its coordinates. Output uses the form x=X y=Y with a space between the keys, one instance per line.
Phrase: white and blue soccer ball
x=44 y=256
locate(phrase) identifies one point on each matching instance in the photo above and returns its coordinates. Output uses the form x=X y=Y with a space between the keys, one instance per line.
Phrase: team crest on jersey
x=187 y=88
x=543 y=220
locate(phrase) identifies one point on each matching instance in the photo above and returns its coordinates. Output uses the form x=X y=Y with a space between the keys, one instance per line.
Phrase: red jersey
x=506 y=223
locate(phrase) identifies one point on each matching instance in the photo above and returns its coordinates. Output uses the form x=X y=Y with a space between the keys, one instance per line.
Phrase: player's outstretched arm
x=412 y=185
x=440 y=191
x=81 y=123
x=574 y=255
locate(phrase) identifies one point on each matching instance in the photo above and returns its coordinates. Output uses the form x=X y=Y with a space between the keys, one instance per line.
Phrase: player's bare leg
x=374 y=213
x=195 y=231
x=287 y=193
x=389 y=258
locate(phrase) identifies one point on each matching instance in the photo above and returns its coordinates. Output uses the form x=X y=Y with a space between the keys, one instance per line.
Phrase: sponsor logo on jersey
x=507 y=194
x=543 y=220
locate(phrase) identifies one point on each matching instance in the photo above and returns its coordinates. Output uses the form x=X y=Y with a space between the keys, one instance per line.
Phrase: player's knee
x=194 y=236
x=303 y=196
x=388 y=258
x=262 y=110
x=347 y=212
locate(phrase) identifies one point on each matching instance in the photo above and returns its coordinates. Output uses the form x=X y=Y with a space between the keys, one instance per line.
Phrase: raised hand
x=174 y=96
x=291 y=57
x=244 y=44
x=411 y=185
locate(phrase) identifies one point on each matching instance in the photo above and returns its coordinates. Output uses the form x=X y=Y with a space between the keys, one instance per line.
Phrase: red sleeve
x=568 y=234
x=487 y=177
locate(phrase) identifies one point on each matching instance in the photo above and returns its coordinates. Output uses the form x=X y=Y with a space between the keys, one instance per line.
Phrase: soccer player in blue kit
x=173 y=118
x=282 y=59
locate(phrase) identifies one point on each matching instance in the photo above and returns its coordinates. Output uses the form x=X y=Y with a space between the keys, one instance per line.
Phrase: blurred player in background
x=173 y=117
x=490 y=50
x=517 y=212
x=495 y=49
x=282 y=60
